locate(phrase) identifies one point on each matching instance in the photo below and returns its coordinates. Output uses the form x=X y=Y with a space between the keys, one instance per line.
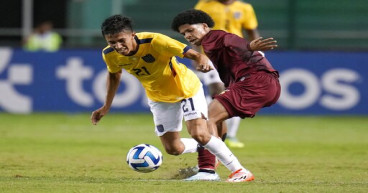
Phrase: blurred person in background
x=235 y=17
x=43 y=38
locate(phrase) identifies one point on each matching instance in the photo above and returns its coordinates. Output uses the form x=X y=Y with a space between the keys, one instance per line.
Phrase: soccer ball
x=144 y=158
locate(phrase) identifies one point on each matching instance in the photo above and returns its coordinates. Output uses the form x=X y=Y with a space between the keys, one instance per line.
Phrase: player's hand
x=98 y=114
x=261 y=44
x=204 y=65
x=201 y=61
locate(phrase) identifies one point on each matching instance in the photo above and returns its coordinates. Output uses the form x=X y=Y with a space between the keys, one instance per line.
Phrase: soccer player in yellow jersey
x=237 y=17
x=232 y=16
x=174 y=92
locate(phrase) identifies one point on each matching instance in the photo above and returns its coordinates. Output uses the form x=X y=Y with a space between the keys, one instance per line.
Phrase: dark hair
x=191 y=16
x=115 y=24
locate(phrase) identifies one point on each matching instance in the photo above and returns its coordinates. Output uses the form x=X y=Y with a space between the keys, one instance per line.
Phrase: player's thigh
x=217 y=112
x=167 y=117
x=216 y=88
x=195 y=114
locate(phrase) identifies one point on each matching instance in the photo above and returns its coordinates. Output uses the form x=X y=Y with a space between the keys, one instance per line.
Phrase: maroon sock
x=206 y=161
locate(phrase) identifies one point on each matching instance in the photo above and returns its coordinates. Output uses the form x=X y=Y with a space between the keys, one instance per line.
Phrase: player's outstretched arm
x=201 y=60
x=261 y=44
x=98 y=114
x=113 y=81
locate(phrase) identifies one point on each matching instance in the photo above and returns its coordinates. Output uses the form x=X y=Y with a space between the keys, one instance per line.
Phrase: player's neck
x=135 y=47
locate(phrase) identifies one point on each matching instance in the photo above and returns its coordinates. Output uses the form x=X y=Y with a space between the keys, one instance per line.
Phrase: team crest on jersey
x=237 y=15
x=148 y=58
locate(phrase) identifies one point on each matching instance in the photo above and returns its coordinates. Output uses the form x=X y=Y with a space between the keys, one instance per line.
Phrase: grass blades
x=66 y=153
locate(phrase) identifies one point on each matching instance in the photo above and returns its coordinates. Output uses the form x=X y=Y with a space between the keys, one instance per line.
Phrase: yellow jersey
x=156 y=67
x=231 y=18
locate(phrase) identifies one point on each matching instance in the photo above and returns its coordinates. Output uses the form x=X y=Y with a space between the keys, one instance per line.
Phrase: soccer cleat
x=187 y=172
x=204 y=176
x=233 y=142
x=240 y=175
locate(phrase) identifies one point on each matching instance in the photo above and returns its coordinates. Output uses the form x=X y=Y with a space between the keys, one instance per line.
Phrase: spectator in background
x=235 y=17
x=43 y=39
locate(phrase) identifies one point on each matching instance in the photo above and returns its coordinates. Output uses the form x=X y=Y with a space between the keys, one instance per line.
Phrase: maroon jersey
x=232 y=57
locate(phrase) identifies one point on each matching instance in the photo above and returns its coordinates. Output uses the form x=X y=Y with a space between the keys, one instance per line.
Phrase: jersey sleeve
x=164 y=44
x=238 y=45
x=109 y=64
x=250 y=20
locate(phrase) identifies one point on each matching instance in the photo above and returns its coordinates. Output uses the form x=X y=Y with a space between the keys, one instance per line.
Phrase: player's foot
x=233 y=142
x=240 y=175
x=187 y=172
x=204 y=176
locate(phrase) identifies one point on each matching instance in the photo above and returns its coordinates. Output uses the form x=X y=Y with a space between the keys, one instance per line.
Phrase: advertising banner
x=75 y=81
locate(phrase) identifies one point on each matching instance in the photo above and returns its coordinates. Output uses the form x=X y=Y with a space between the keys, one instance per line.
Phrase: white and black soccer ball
x=144 y=158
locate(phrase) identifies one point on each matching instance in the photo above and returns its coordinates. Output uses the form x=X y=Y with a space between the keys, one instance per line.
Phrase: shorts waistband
x=274 y=74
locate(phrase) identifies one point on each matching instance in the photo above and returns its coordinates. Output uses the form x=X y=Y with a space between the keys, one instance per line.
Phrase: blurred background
x=322 y=55
x=296 y=24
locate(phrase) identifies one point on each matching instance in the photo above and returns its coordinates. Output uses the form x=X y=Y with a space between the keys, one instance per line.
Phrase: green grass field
x=65 y=153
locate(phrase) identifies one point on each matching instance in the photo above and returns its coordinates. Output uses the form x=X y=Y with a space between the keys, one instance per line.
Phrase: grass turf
x=65 y=153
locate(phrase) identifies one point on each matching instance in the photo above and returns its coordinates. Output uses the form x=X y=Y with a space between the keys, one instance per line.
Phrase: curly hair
x=191 y=16
x=115 y=24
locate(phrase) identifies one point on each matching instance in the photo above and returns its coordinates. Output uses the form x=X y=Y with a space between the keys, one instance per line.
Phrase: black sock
x=207 y=171
x=224 y=136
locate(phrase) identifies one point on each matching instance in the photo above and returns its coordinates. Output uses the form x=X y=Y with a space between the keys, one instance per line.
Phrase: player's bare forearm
x=201 y=60
x=261 y=44
x=198 y=49
x=113 y=81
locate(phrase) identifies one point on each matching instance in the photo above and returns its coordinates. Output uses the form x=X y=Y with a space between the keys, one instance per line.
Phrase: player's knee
x=173 y=151
x=211 y=123
x=201 y=137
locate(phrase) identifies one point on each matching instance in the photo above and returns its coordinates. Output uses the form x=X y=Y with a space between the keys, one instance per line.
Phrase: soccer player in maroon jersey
x=250 y=80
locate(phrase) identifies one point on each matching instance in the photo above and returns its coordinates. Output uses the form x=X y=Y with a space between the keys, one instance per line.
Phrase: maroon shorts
x=245 y=98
